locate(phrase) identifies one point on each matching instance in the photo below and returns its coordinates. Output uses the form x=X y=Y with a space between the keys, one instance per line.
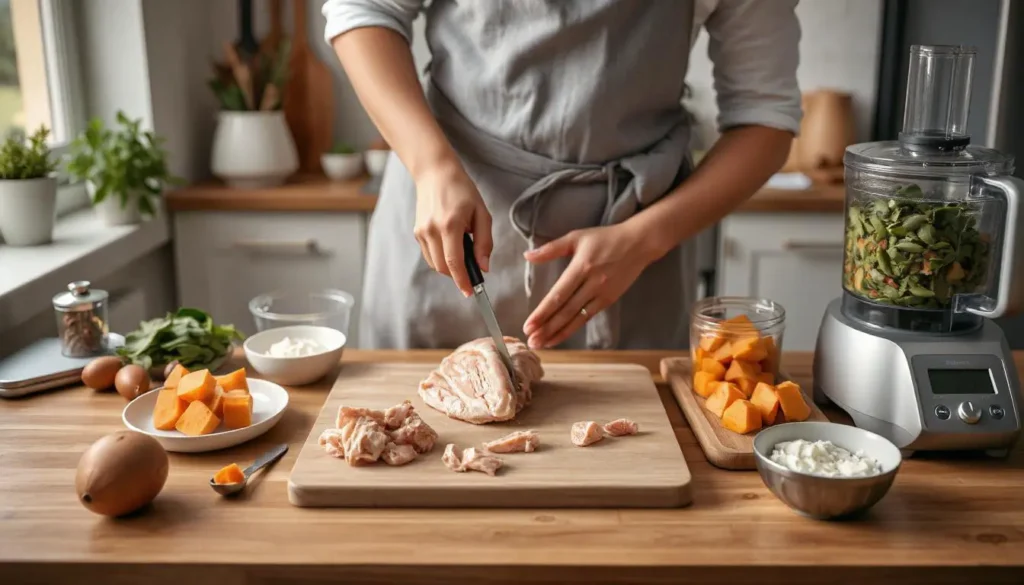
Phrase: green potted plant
x=342 y=163
x=28 y=189
x=124 y=170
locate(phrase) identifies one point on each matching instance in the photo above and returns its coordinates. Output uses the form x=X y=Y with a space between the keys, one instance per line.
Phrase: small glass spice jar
x=724 y=330
x=81 y=319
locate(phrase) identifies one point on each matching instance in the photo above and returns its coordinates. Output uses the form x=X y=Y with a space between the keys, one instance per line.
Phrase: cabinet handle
x=294 y=248
x=802 y=246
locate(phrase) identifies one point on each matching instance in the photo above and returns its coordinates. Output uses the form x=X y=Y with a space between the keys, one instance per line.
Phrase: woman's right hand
x=448 y=206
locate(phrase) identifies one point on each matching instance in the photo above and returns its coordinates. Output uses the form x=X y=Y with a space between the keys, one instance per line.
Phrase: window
x=39 y=77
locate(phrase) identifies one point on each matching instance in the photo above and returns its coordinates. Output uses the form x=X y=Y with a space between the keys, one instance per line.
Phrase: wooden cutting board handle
x=272 y=41
x=309 y=99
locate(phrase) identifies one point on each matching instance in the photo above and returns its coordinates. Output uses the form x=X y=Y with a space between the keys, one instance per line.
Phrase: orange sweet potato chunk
x=701 y=383
x=710 y=342
x=237 y=409
x=766 y=401
x=746 y=386
x=713 y=367
x=724 y=353
x=197 y=420
x=725 y=394
x=228 y=475
x=742 y=369
x=766 y=377
x=196 y=386
x=697 y=355
x=770 y=363
x=216 y=401
x=792 y=403
x=749 y=349
x=741 y=417
x=168 y=409
x=234 y=381
x=172 y=380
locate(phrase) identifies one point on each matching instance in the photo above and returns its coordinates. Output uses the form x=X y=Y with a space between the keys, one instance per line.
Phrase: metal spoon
x=227 y=489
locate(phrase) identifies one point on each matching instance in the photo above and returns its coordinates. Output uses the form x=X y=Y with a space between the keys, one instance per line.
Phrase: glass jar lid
x=891 y=158
x=79 y=297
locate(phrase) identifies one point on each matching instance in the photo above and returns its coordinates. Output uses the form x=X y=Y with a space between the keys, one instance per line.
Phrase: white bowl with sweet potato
x=196 y=411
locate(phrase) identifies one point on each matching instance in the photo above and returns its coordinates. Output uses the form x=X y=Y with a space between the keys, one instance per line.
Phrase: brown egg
x=99 y=374
x=120 y=473
x=131 y=381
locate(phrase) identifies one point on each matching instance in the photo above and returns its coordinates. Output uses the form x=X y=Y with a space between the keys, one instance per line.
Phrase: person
x=553 y=132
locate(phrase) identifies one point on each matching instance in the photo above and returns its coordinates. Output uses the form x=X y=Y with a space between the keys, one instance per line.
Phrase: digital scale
x=933 y=253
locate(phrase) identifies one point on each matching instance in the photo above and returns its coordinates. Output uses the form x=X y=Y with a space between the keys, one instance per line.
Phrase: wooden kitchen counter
x=316 y=193
x=945 y=521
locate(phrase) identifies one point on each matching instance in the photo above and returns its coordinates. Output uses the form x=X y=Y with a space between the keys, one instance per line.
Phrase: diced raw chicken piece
x=585 y=433
x=415 y=432
x=470 y=460
x=396 y=415
x=394 y=454
x=517 y=442
x=330 y=439
x=472 y=385
x=360 y=441
x=347 y=413
x=621 y=427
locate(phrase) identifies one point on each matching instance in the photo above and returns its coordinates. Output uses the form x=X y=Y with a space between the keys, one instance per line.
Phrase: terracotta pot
x=826 y=131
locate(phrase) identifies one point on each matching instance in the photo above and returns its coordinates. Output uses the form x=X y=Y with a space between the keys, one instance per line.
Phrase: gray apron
x=634 y=151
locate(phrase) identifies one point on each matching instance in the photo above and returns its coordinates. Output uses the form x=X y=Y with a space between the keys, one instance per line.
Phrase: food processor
x=933 y=253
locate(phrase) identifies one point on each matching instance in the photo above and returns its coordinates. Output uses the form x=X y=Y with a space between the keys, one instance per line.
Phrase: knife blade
x=476 y=278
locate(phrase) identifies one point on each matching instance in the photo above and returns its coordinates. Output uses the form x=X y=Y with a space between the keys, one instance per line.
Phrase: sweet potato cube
x=725 y=394
x=709 y=342
x=237 y=409
x=739 y=322
x=792 y=402
x=770 y=363
x=697 y=355
x=749 y=349
x=168 y=409
x=746 y=386
x=172 y=380
x=723 y=354
x=713 y=367
x=196 y=386
x=742 y=369
x=216 y=401
x=766 y=377
x=766 y=401
x=229 y=475
x=741 y=417
x=197 y=420
x=701 y=383
x=234 y=381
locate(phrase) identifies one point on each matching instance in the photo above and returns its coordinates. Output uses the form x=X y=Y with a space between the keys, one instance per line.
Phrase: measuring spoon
x=227 y=489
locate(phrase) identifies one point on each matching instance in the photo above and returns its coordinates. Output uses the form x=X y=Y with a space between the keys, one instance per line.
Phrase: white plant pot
x=110 y=211
x=342 y=167
x=253 y=149
x=376 y=160
x=27 y=210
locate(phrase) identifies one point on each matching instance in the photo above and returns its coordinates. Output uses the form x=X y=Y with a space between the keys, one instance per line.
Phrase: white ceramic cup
x=342 y=167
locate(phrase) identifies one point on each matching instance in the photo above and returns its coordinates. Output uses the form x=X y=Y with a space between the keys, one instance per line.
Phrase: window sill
x=83 y=248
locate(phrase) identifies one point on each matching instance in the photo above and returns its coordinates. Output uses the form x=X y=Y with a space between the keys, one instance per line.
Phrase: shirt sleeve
x=345 y=15
x=754 y=48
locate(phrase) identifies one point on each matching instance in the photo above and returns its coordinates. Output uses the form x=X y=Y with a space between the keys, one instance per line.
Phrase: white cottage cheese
x=824 y=458
x=297 y=347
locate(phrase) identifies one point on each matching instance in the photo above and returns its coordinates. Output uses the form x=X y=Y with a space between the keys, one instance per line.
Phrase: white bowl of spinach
x=187 y=336
x=910 y=252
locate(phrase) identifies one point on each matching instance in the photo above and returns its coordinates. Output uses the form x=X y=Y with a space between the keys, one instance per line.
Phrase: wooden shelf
x=301 y=193
x=816 y=199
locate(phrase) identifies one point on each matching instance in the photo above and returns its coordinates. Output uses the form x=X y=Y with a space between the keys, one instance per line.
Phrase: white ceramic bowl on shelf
x=376 y=160
x=342 y=167
x=299 y=370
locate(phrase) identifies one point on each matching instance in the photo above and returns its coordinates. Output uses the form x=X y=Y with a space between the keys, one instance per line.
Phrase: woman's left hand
x=606 y=261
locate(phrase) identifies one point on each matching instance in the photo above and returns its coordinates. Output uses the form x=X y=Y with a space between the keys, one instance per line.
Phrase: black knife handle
x=476 y=277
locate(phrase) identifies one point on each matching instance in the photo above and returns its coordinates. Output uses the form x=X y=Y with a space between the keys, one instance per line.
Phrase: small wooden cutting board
x=722 y=447
x=646 y=470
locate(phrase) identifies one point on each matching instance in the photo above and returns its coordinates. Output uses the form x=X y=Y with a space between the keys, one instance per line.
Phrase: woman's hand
x=448 y=205
x=606 y=261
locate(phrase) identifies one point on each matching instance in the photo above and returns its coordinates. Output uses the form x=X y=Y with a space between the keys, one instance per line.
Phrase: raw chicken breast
x=472 y=385
x=585 y=433
x=330 y=439
x=347 y=413
x=470 y=460
x=414 y=432
x=621 y=427
x=517 y=442
x=360 y=441
x=396 y=415
x=395 y=454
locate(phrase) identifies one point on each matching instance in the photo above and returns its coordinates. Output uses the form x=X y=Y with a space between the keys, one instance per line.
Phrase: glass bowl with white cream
x=826 y=470
x=295 y=355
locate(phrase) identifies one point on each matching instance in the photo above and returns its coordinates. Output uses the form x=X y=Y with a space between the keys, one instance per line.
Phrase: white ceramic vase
x=27 y=208
x=253 y=149
x=111 y=212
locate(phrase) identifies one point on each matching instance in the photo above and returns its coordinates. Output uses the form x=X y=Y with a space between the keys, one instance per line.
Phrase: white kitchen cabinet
x=224 y=259
x=794 y=259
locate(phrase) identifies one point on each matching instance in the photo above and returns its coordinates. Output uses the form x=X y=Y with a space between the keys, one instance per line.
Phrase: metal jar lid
x=79 y=297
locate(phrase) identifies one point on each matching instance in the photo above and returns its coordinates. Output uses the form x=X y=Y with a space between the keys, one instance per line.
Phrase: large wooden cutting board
x=641 y=471
x=723 y=448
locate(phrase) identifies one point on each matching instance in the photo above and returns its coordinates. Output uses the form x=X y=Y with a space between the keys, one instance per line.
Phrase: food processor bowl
x=327 y=308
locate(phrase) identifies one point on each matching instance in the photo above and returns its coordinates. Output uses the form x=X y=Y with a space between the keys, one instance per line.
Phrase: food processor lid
x=892 y=157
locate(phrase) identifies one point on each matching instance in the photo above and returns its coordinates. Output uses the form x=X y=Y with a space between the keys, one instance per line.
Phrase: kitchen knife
x=476 y=278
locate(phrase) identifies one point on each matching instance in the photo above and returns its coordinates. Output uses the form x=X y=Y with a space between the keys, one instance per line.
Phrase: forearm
x=380 y=66
x=734 y=169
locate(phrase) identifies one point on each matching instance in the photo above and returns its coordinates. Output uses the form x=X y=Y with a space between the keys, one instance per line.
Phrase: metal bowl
x=826 y=498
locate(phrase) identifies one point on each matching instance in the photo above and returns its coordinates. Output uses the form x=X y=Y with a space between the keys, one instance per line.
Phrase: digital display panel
x=961 y=382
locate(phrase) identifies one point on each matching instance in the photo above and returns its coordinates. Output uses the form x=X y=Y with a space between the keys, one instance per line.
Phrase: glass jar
x=82 y=319
x=326 y=308
x=728 y=329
